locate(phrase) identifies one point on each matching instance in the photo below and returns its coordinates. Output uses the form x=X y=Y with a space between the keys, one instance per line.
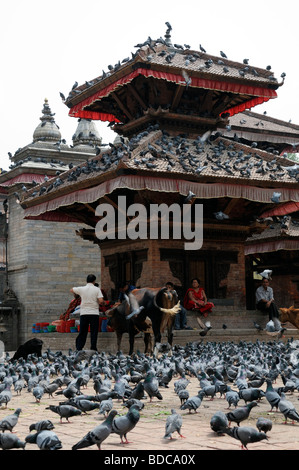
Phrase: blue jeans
x=180 y=321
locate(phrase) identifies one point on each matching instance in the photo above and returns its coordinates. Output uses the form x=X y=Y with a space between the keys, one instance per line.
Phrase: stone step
x=107 y=341
x=235 y=320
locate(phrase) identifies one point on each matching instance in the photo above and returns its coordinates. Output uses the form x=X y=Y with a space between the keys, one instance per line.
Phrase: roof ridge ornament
x=167 y=34
x=47 y=130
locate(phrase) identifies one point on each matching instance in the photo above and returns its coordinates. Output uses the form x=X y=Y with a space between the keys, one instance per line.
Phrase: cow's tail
x=171 y=311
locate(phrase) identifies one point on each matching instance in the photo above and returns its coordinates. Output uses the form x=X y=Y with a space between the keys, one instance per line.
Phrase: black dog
x=33 y=346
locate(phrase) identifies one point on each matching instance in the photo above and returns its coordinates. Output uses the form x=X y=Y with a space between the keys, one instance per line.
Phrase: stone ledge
x=107 y=341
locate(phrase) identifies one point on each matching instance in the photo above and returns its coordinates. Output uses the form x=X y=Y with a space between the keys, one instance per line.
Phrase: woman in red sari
x=196 y=299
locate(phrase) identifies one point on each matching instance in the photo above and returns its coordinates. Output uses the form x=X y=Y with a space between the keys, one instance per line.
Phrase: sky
x=47 y=46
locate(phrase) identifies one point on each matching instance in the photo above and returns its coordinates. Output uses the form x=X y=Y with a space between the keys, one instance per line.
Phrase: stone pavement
x=148 y=434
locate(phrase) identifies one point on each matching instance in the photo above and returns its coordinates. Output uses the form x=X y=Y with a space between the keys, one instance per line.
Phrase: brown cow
x=290 y=315
x=157 y=305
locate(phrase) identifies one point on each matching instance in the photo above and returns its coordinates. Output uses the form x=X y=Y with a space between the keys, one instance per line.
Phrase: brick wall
x=156 y=272
x=46 y=259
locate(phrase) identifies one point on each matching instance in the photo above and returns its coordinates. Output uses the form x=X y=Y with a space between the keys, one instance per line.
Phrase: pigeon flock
x=207 y=155
x=236 y=378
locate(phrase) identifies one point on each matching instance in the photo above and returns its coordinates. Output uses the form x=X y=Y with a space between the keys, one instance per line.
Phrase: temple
x=180 y=116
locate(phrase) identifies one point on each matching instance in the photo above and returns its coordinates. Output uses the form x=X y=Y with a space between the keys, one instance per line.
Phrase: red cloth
x=73 y=304
x=191 y=305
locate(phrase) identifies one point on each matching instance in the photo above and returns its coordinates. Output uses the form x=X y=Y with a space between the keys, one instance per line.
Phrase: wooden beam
x=116 y=206
x=80 y=216
x=221 y=104
x=177 y=96
x=207 y=101
x=231 y=205
x=122 y=106
x=89 y=207
x=136 y=96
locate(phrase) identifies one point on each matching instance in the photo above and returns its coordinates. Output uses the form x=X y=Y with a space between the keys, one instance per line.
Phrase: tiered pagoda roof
x=168 y=104
x=179 y=88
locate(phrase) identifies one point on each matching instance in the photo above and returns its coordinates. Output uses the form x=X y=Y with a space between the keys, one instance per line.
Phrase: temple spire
x=47 y=130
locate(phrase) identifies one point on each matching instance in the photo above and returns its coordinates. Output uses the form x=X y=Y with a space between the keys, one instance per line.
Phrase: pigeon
x=232 y=397
x=51 y=388
x=10 y=421
x=38 y=393
x=124 y=424
x=240 y=414
x=267 y=273
x=187 y=78
x=173 y=424
x=219 y=422
x=273 y=326
x=133 y=401
x=251 y=394
x=189 y=197
x=138 y=391
x=288 y=409
x=11 y=441
x=210 y=391
x=193 y=403
x=106 y=406
x=84 y=405
x=264 y=424
x=5 y=395
x=98 y=434
x=206 y=329
x=257 y=326
x=183 y=395
x=150 y=385
x=45 y=440
x=272 y=396
x=64 y=411
x=43 y=425
x=221 y=215
x=246 y=435
x=276 y=197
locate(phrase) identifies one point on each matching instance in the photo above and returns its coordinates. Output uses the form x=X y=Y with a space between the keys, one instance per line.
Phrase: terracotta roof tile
x=156 y=153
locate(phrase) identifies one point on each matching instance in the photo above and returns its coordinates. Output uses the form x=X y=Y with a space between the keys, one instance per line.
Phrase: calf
x=290 y=315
